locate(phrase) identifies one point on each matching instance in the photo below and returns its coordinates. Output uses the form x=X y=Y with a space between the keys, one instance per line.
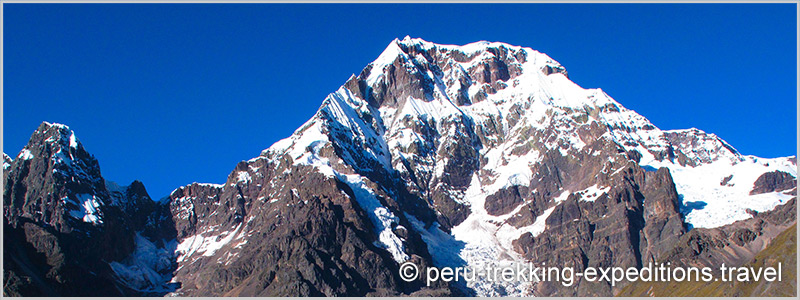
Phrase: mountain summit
x=473 y=155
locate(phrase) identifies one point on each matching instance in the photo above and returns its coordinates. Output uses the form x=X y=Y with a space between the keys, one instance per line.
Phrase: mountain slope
x=783 y=250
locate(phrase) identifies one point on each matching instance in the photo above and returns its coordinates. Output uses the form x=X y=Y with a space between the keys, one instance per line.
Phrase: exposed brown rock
x=774 y=181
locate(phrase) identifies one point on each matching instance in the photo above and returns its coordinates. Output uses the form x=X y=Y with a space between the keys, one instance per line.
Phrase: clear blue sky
x=171 y=93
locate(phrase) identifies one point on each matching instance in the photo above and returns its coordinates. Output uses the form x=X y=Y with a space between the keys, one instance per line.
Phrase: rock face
x=307 y=236
x=774 y=181
x=629 y=225
x=460 y=156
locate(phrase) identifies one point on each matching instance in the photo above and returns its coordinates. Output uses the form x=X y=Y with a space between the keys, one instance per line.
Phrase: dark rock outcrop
x=774 y=181
x=505 y=200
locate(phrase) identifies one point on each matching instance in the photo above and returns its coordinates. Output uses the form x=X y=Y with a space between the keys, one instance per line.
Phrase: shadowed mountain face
x=460 y=156
x=63 y=223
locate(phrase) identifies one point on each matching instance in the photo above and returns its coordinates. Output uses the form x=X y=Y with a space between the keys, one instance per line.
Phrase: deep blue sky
x=171 y=94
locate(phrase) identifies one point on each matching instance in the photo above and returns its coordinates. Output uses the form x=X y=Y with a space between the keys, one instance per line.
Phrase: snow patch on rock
x=88 y=211
x=25 y=154
x=206 y=243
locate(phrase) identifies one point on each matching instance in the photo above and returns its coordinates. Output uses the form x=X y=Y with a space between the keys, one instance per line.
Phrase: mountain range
x=442 y=155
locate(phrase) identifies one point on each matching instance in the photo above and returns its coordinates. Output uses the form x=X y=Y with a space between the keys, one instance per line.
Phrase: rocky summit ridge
x=442 y=155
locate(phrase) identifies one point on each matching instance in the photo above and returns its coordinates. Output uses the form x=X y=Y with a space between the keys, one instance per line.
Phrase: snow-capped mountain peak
x=417 y=97
x=462 y=123
x=54 y=153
